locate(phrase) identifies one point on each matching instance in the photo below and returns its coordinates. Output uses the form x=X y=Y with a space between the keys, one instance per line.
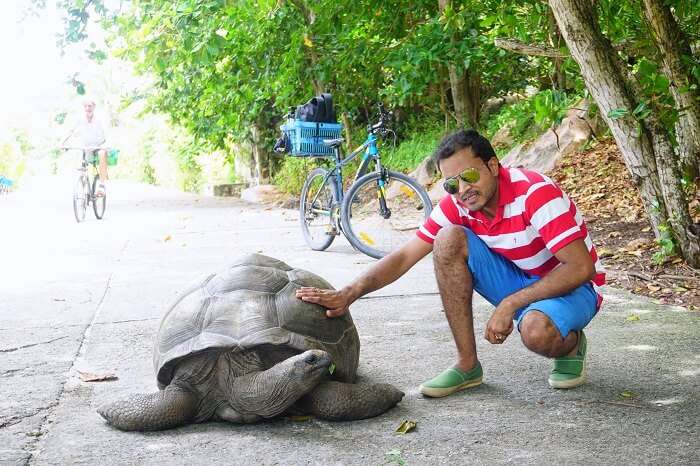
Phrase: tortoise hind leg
x=165 y=409
x=337 y=401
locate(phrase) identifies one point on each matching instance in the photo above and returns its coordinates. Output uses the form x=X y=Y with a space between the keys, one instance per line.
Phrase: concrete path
x=89 y=297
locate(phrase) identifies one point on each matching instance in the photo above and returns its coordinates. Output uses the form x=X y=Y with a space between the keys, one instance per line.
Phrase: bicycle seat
x=333 y=142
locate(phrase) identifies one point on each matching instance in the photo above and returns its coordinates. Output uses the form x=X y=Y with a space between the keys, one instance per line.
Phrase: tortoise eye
x=311 y=358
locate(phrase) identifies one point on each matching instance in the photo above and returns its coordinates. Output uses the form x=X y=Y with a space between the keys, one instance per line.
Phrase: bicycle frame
x=369 y=147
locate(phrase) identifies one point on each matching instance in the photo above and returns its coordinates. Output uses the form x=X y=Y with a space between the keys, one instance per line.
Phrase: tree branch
x=515 y=46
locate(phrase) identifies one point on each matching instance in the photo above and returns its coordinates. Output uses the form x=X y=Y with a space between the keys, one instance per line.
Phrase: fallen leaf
x=651 y=287
x=632 y=318
x=680 y=289
x=92 y=377
x=406 y=427
x=628 y=394
x=167 y=238
x=331 y=368
x=366 y=238
x=604 y=252
x=646 y=229
x=677 y=260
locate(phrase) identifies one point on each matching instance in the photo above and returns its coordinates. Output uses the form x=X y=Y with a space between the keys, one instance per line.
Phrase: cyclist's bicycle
x=380 y=210
x=86 y=186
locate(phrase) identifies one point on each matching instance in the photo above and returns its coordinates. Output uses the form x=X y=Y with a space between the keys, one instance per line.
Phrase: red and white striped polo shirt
x=534 y=220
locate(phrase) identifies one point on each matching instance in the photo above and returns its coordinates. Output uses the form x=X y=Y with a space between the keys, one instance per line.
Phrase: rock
x=288 y=202
x=543 y=153
x=426 y=172
x=503 y=138
x=226 y=190
x=436 y=193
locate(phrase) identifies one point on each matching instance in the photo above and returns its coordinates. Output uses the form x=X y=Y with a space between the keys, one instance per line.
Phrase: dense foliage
x=227 y=71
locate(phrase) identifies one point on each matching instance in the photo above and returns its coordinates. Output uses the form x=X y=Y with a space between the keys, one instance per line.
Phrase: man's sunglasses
x=451 y=184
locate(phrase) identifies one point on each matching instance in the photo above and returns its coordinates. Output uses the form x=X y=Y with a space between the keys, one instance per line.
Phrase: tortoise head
x=271 y=392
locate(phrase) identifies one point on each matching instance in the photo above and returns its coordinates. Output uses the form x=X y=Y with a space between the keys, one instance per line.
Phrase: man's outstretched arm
x=386 y=271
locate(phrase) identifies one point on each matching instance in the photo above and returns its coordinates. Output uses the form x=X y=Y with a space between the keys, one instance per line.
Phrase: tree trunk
x=473 y=97
x=644 y=144
x=558 y=75
x=465 y=85
x=259 y=156
x=672 y=45
x=458 y=86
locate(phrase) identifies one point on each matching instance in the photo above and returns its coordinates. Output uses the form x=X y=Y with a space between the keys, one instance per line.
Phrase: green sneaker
x=452 y=380
x=570 y=371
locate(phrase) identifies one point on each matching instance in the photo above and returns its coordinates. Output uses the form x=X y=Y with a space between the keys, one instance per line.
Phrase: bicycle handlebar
x=380 y=126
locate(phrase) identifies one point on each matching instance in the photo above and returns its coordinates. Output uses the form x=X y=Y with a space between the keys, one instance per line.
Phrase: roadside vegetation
x=226 y=73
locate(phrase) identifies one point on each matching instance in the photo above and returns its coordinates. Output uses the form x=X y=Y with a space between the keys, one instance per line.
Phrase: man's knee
x=538 y=333
x=450 y=243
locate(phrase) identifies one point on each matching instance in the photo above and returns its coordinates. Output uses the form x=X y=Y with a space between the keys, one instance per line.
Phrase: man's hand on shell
x=335 y=301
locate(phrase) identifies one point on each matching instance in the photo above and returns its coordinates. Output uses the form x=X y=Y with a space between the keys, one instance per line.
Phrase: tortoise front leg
x=166 y=409
x=338 y=401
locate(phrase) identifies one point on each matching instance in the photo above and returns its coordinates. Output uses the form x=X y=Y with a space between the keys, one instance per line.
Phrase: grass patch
x=412 y=151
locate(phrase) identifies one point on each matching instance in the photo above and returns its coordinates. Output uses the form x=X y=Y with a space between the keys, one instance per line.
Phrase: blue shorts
x=495 y=278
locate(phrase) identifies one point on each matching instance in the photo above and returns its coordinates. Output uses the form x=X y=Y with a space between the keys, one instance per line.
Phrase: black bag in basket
x=317 y=110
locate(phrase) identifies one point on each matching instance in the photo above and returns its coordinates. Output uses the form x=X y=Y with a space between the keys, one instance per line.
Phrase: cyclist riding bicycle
x=92 y=137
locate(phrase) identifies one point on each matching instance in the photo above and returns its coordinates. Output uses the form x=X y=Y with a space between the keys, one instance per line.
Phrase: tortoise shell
x=253 y=303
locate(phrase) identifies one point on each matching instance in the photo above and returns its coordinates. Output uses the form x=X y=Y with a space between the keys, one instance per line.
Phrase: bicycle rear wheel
x=317 y=210
x=80 y=198
x=382 y=211
x=99 y=203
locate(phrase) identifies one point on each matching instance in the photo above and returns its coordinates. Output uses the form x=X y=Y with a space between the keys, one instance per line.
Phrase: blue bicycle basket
x=305 y=138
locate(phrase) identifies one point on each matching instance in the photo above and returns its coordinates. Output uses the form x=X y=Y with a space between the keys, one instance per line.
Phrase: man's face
x=89 y=108
x=474 y=196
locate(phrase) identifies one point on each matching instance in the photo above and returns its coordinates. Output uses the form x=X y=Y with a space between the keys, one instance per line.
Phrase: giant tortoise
x=240 y=347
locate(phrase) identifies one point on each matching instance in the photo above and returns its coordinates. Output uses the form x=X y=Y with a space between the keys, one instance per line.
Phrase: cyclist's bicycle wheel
x=317 y=210
x=98 y=203
x=381 y=212
x=80 y=198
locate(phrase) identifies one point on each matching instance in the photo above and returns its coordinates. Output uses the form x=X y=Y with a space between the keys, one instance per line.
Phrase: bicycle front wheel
x=382 y=211
x=317 y=210
x=80 y=198
x=99 y=203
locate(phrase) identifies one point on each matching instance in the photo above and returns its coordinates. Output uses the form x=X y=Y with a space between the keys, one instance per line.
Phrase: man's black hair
x=469 y=138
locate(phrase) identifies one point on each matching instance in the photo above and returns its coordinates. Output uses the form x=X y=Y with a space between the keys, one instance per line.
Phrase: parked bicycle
x=85 y=188
x=380 y=210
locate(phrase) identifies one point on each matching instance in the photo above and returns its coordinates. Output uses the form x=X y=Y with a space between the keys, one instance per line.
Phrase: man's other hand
x=337 y=302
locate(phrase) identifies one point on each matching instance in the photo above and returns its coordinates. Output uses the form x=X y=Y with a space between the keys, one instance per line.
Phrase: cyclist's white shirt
x=91 y=133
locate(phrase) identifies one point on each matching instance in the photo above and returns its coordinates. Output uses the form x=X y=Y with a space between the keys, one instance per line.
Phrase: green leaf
x=617 y=113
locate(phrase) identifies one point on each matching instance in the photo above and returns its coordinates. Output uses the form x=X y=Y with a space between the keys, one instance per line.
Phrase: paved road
x=88 y=297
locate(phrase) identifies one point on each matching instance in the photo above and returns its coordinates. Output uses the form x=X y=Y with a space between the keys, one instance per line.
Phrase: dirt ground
x=598 y=181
